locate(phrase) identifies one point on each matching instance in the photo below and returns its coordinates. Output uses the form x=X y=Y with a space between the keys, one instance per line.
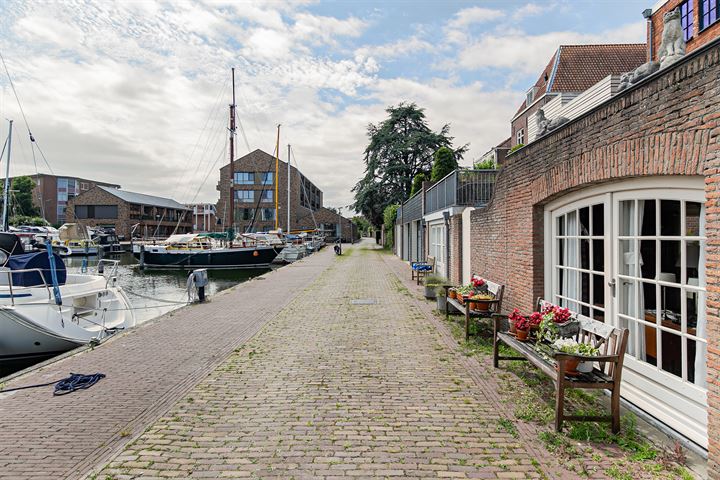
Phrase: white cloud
x=395 y=49
x=473 y=15
x=531 y=9
x=527 y=54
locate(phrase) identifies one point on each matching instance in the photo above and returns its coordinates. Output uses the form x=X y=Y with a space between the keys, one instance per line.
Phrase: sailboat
x=200 y=251
x=43 y=309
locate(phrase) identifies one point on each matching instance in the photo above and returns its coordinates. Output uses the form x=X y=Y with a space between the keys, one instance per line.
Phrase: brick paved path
x=332 y=389
x=148 y=370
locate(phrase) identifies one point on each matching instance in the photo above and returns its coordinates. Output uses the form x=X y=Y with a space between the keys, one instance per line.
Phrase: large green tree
x=445 y=162
x=21 y=197
x=400 y=147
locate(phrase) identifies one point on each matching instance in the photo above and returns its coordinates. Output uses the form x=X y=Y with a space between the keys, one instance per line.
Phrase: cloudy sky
x=136 y=92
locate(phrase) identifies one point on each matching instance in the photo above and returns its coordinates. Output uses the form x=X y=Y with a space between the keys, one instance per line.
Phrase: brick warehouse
x=254 y=187
x=616 y=215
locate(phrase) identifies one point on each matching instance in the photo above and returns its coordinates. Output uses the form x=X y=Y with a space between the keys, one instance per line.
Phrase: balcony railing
x=412 y=209
x=467 y=188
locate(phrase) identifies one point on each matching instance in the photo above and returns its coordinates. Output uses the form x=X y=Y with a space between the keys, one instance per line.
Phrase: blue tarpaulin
x=38 y=260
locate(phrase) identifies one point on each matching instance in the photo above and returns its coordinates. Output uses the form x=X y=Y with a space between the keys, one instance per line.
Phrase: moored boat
x=196 y=251
x=74 y=239
x=45 y=311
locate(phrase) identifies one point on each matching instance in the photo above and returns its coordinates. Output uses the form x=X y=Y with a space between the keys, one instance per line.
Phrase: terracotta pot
x=472 y=305
x=483 y=305
x=452 y=294
x=512 y=327
x=522 y=335
x=571 y=366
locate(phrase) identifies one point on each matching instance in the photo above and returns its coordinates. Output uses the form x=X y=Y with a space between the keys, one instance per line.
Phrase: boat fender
x=256 y=253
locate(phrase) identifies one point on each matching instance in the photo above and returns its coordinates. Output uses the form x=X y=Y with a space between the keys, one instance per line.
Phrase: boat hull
x=230 y=258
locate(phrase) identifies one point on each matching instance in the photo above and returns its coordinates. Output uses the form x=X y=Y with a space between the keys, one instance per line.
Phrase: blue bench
x=421 y=269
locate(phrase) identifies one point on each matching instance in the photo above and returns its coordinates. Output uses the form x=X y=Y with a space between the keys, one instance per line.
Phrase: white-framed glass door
x=437 y=247
x=635 y=258
x=659 y=280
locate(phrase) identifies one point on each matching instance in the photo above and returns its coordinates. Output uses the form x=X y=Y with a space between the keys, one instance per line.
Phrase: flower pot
x=472 y=304
x=569 y=328
x=429 y=291
x=441 y=303
x=452 y=293
x=522 y=335
x=571 y=366
x=481 y=305
x=512 y=327
x=585 y=367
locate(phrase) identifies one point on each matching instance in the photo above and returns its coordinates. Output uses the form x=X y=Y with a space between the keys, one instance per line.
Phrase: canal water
x=151 y=292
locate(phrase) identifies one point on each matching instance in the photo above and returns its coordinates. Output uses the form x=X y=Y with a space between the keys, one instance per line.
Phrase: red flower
x=535 y=319
x=521 y=323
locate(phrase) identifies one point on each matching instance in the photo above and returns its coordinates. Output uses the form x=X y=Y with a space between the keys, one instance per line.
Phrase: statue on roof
x=545 y=125
x=672 y=47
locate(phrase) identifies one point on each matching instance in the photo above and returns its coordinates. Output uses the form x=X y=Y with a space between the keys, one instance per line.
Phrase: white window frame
x=678 y=403
x=520 y=136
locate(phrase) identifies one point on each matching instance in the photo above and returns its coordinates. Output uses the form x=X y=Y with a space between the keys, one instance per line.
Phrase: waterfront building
x=52 y=192
x=130 y=213
x=614 y=214
x=254 y=189
x=204 y=217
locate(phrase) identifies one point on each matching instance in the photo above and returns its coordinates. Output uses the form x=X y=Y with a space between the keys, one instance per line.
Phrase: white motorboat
x=45 y=311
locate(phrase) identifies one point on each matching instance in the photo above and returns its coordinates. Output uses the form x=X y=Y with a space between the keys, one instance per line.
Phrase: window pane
x=571 y=226
x=627 y=257
x=585 y=254
x=598 y=220
x=561 y=225
x=670 y=260
x=692 y=258
x=647 y=217
x=669 y=217
x=627 y=217
x=648 y=258
x=696 y=354
x=671 y=353
x=648 y=344
x=598 y=291
x=598 y=315
x=584 y=221
x=692 y=304
x=692 y=219
x=561 y=251
x=647 y=302
x=598 y=255
x=585 y=288
x=627 y=297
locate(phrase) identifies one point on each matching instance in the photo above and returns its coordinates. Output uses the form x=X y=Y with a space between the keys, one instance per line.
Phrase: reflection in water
x=143 y=287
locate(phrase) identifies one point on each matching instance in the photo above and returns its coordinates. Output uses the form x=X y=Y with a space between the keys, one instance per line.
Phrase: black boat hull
x=224 y=259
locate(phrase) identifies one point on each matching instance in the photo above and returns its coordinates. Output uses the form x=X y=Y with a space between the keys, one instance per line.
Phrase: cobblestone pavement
x=148 y=370
x=337 y=385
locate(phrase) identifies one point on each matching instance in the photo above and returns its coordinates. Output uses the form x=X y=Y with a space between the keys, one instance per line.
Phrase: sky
x=137 y=92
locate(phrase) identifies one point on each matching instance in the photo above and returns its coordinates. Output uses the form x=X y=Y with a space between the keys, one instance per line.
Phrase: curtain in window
x=640 y=328
x=570 y=284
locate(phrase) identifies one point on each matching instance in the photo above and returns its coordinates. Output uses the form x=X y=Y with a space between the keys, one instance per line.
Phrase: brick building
x=254 y=188
x=130 y=213
x=573 y=69
x=204 y=217
x=616 y=214
x=52 y=192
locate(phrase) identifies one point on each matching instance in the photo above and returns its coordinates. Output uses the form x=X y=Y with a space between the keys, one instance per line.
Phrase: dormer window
x=530 y=96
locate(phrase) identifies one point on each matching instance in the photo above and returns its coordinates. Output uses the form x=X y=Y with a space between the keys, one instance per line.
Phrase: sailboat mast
x=288 y=190
x=232 y=158
x=6 y=191
x=277 y=168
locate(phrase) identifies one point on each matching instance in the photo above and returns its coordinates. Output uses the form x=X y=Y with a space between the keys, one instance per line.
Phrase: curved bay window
x=632 y=254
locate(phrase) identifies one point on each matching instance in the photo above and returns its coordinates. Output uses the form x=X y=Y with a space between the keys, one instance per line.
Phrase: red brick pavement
x=148 y=369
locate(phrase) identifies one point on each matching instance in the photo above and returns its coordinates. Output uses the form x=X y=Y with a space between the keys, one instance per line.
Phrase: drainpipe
x=647 y=13
x=446 y=217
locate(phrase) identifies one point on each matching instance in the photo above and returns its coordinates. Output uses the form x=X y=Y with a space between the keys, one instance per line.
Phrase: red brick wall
x=455 y=260
x=662 y=128
x=667 y=126
x=699 y=38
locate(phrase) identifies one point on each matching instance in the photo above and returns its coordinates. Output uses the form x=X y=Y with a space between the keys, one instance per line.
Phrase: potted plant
x=575 y=365
x=430 y=282
x=557 y=322
x=452 y=293
x=522 y=325
x=482 y=300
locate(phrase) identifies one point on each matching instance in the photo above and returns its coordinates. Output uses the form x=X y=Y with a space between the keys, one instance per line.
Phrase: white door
x=635 y=259
x=659 y=281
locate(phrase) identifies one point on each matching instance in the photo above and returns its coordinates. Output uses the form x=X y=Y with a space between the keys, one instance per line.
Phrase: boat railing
x=6 y=275
x=113 y=269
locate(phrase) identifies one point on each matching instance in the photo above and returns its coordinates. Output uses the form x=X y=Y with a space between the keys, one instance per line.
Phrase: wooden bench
x=419 y=270
x=494 y=306
x=607 y=368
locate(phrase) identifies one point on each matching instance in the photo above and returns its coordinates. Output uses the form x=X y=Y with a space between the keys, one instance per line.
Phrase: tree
x=361 y=224
x=487 y=164
x=389 y=215
x=23 y=196
x=445 y=163
x=417 y=183
x=400 y=147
